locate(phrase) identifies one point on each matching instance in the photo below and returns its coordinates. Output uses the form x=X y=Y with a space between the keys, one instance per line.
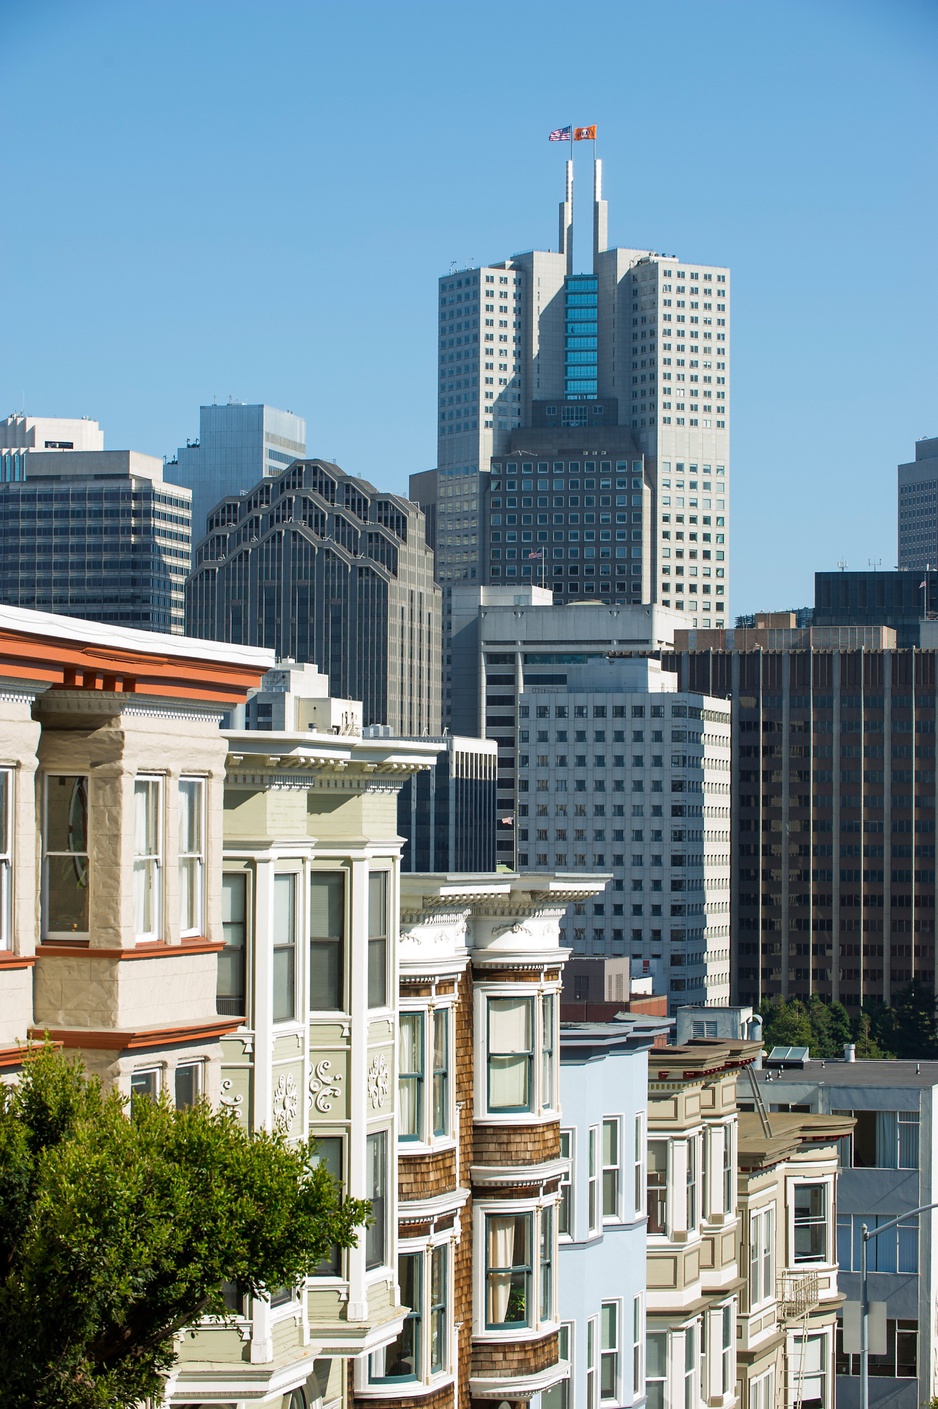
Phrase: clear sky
x=214 y=198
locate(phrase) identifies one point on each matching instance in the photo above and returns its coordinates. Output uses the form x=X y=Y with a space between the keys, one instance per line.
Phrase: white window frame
x=149 y=865
x=594 y=1206
x=592 y=1367
x=536 y=1324
x=729 y=1169
x=197 y=1065
x=727 y=1349
x=612 y=1172
x=427 y=1136
x=298 y=903
x=761 y=1256
x=567 y=1189
x=47 y=932
x=6 y=859
x=610 y=1313
x=638 y=1344
x=194 y=859
x=542 y=1105
x=155 y=1071
x=639 y=1164
x=396 y=1387
x=830 y=1228
x=762 y=1391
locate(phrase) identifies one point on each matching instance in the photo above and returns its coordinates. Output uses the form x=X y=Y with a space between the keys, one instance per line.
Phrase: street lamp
x=865 y=1235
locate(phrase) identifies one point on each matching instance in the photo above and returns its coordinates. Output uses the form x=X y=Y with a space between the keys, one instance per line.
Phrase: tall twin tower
x=583 y=432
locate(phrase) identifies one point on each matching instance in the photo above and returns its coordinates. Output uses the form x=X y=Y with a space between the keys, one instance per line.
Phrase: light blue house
x=602 y=1218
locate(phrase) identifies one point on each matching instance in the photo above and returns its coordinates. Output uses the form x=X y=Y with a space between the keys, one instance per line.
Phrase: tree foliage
x=907 y=1029
x=117 y=1230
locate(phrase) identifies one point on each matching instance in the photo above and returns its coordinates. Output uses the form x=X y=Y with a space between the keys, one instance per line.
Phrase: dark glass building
x=96 y=534
x=897 y=599
x=321 y=567
x=833 y=817
x=448 y=813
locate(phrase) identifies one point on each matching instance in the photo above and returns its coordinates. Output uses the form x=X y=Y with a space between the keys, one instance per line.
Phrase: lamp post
x=865 y=1235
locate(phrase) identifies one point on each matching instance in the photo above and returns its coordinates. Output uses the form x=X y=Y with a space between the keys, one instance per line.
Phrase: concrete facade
x=918 y=508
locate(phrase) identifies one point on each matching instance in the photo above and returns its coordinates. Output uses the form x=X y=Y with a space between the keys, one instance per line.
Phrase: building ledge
x=495 y=1175
x=518 y=1386
x=427 y=1210
x=138 y=951
x=124 y=1040
x=16 y=961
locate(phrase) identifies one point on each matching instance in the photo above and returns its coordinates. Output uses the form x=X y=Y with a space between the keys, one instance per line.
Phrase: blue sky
x=217 y=198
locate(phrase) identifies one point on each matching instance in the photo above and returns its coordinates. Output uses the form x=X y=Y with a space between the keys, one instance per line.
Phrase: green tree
x=909 y=1027
x=785 y=1023
x=840 y=1028
x=822 y=1036
x=866 y=1043
x=117 y=1231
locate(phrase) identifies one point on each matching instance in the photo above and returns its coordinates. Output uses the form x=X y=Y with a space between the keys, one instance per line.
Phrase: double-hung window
x=284 y=975
x=546 y=1262
x=148 y=859
x=508 y=1270
x=657 y=1186
x=548 y=1070
x=6 y=858
x=327 y=941
x=565 y=1206
x=439 y=1284
x=592 y=1380
x=638 y=1344
x=609 y=1352
x=510 y=1053
x=144 y=1085
x=611 y=1178
x=376 y=1236
x=66 y=869
x=809 y=1222
x=729 y=1170
x=410 y=1065
x=761 y=1257
x=440 y=1024
x=727 y=1347
x=421 y=1349
x=191 y=855
x=187 y=1084
x=231 y=998
x=693 y=1189
x=329 y=1151
x=378 y=939
x=656 y=1369
x=592 y=1180
x=638 y=1164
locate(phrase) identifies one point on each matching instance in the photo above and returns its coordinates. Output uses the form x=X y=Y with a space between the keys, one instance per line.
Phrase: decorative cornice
x=491 y=1175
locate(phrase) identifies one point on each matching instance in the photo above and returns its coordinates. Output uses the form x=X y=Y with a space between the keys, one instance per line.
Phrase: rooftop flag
x=585 y=134
x=561 y=134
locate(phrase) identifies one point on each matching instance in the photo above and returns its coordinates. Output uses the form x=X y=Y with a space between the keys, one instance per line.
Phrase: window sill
x=492 y=1336
x=517 y=1118
x=405 y=1389
x=437 y=1146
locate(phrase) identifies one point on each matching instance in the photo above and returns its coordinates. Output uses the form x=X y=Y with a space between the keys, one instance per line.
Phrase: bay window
x=761 y=1257
x=727 y=1349
x=519 y=1026
x=148 y=858
x=423 y=1048
x=693 y=1190
x=231 y=981
x=327 y=941
x=191 y=855
x=376 y=1235
x=284 y=936
x=809 y=1223
x=808 y=1372
x=519 y=1259
x=66 y=862
x=421 y=1349
x=378 y=939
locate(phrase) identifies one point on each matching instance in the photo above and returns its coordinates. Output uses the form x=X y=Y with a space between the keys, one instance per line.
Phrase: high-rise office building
x=446 y=814
x=325 y=568
x=237 y=446
x=833 y=807
x=918 y=508
x=96 y=534
x=619 y=773
x=597 y=403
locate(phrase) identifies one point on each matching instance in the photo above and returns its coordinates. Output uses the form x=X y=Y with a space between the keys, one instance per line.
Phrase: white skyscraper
x=550 y=381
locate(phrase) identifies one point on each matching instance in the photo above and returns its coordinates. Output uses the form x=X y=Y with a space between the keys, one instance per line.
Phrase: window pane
x=146 y=856
x=510 y=1023
x=438 y=1337
x=657 y=1185
x=377 y=973
x=329 y=1152
x=327 y=928
x=440 y=1071
x=66 y=874
x=284 y=948
x=187 y=1084
x=232 y=973
x=508 y=1269
x=144 y=1086
x=375 y=1236
x=377 y=904
x=410 y=1073
x=190 y=855
x=402 y=1356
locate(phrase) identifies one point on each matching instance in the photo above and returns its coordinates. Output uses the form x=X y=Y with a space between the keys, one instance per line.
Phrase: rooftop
x=862 y=1072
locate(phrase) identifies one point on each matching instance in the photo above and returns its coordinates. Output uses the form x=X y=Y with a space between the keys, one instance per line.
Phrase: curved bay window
x=421 y=1350
x=519 y=1289
x=520 y=1053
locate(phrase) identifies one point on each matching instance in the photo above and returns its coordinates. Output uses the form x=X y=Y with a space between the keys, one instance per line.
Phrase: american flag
x=561 y=134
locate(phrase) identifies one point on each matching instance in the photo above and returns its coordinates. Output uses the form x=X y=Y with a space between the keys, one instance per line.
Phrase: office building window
x=376 y=1236
x=327 y=941
x=147 y=857
x=378 y=939
x=231 y=999
x=284 y=936
x=65 y=856
x=191 y=855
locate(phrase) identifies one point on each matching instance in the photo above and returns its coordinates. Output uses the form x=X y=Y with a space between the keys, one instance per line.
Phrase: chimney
x=850 y=1051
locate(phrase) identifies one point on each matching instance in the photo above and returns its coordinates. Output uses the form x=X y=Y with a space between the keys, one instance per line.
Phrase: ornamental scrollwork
x=379 y=1080
x=231 y=1103
x=323 y=1086
x=286 y=1102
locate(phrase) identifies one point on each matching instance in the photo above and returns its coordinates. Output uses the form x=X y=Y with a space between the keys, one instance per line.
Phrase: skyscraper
x=322 y=567
x=96 y=534
x=918 y=508
x=237 y=446
x=558 y=386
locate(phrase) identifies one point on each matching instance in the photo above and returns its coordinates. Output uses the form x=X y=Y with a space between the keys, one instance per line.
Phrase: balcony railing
x=797 y=1294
